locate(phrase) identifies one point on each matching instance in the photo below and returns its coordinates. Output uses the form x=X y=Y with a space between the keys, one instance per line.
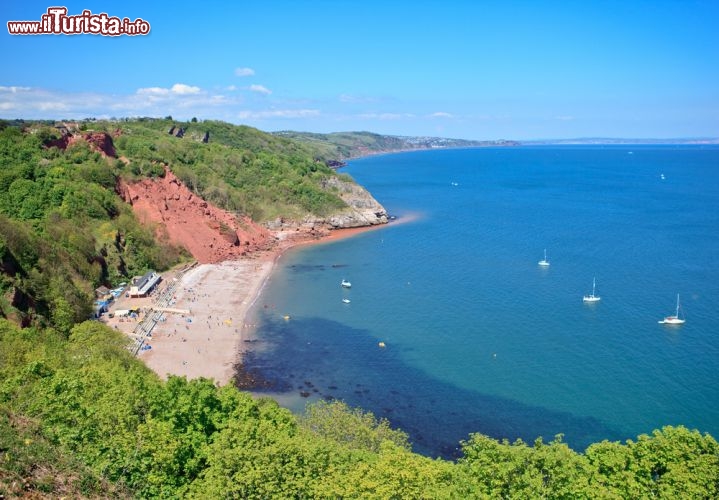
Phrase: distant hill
x=345 y=145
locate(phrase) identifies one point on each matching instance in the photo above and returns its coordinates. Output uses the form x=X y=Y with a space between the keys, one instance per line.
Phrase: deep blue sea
x=478 y=337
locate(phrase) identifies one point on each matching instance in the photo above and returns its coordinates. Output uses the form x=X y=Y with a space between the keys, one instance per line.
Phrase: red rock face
x=99 y=141
x=209 y=233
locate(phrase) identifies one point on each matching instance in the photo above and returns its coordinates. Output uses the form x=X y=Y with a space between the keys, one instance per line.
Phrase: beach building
x=142 y=286
x=97 y=310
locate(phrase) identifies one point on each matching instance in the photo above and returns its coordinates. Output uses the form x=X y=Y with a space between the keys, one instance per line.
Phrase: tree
x=350 y=427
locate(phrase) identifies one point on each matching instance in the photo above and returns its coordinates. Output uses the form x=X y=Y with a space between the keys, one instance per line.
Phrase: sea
x=453 y=328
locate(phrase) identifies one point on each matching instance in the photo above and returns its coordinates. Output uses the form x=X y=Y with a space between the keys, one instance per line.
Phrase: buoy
x=381 y=344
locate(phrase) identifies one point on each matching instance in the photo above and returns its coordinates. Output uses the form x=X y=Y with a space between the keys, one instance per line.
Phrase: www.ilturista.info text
x=56 y=22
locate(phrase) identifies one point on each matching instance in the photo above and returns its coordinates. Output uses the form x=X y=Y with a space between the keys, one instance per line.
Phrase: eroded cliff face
x=209 y=233
x=213 y=235
x=99 y=141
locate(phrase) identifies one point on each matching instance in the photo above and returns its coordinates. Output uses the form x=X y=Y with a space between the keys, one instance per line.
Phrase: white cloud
x=277 y=113
x=31 y=102
x=260 y=89
x=244 y=71
x=179 y=100
x=386 y=116
x=178 y=88
x=441 y=114
x=158 y=91
x=14 y=89
x=231 y=88
x=181 y=88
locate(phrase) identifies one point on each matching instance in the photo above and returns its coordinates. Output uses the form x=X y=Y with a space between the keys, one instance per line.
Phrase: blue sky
x=463 y=69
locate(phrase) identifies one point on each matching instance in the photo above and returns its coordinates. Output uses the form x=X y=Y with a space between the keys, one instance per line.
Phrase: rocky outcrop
x=98 y=141
x=362 y=210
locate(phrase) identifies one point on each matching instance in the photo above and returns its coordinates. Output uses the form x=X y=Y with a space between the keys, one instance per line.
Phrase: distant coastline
x=619 y=141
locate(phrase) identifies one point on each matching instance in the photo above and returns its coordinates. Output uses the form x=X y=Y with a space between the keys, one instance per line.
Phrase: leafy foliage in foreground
x=104 y=425
x=80 y=417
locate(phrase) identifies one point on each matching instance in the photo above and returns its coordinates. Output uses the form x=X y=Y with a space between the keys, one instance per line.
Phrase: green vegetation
x=64 y=230
x=240 y=168
x=80 y=417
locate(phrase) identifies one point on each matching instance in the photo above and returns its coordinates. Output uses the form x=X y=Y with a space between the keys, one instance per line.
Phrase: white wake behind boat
x=544 y=262
x=592 y=297
x=675 y=319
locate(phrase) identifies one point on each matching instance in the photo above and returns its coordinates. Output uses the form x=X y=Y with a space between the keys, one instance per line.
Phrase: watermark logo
x=56 y=22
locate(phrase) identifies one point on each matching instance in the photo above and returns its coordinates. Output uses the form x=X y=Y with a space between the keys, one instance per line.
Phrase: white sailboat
x=592 y=297
x=544 y=262
x=674 y=319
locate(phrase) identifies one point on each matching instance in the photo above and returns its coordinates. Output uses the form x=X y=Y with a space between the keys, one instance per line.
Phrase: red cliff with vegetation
x=209 y=233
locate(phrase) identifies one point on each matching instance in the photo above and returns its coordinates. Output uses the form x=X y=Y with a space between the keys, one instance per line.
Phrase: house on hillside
x=142 y=286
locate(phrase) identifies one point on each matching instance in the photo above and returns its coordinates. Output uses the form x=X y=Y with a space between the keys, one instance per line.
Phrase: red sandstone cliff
x=209 y=233
x=99 y=141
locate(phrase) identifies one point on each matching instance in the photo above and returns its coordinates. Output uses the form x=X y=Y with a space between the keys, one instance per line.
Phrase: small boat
x=544 y=262
x=346 y=284
x=675 y=319
x=592 y=297
x=346 y=301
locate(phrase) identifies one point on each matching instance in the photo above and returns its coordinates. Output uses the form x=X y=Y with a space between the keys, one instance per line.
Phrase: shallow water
x=478 y=337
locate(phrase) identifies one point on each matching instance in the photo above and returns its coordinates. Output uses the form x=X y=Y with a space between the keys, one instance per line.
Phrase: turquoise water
x=478 y=337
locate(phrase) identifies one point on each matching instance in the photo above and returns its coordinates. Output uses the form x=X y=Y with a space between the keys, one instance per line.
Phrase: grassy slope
x=240 y=169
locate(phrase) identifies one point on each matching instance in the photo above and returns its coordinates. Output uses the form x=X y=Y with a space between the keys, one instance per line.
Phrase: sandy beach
x=195 y=324
x=205 y=341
